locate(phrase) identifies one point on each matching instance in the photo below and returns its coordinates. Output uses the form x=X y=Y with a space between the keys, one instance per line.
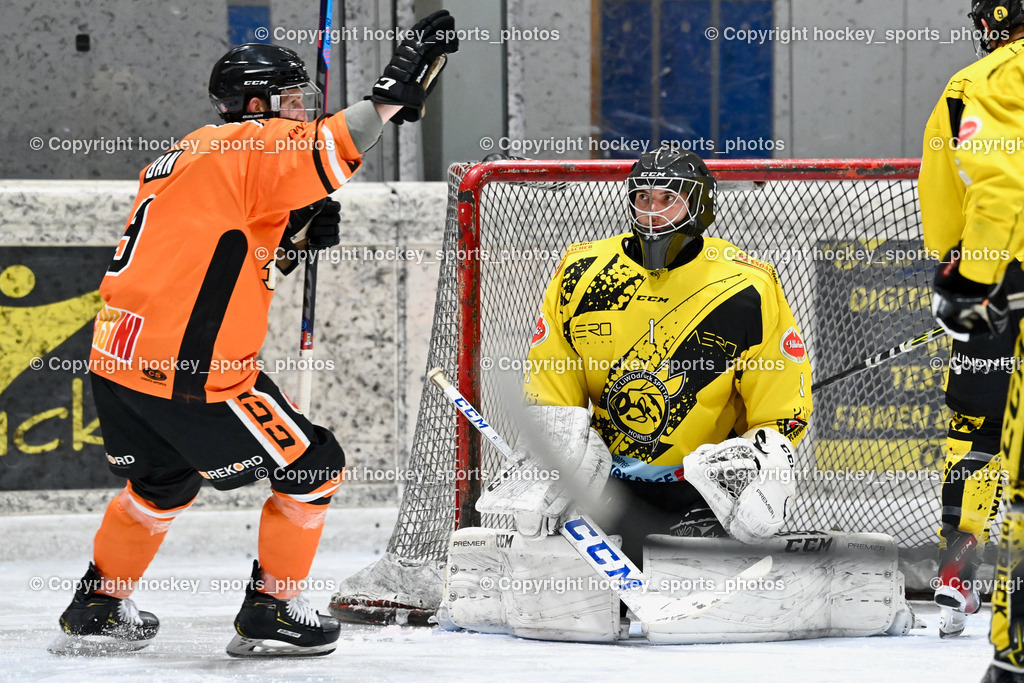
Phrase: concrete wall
x=374 y=311
x=848 y=98
x=145 y=76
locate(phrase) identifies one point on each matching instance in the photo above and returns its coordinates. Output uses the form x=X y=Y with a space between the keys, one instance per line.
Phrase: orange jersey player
x=177 y=386
x=191 y=281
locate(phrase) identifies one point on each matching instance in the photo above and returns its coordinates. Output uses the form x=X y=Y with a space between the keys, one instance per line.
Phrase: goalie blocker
x=820 y=585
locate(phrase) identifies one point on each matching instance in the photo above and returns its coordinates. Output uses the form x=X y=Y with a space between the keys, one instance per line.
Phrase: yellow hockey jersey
x=940 y=187
x=990 y=164
x=669 y=360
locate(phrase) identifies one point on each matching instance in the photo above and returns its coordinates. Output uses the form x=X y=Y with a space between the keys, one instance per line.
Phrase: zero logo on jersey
x=638 y=404
x=969 y=127
x=541 y=331
x=792 y=346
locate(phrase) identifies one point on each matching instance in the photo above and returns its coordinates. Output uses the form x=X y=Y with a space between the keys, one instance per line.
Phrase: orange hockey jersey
x=189 y=288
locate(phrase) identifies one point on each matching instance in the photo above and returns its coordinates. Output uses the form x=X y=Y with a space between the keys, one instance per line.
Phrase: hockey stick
x=1016 y=302
x=323 y=66
x=601 y=553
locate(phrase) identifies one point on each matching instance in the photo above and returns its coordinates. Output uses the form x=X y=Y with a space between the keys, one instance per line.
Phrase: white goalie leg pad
x=497 y=581
x=747 y=482
x=531 y=490
x=820 y=585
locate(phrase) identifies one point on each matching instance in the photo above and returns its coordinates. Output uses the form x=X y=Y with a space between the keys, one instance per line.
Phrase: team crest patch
x=792 y=346
x=638 y=405
x=541 y=331
x=791 y=428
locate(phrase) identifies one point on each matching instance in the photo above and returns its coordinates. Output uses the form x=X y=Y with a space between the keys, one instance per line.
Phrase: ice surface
x=208 y=546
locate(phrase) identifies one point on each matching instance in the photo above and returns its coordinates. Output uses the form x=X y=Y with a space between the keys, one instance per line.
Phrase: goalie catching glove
x=531 y=488
x=412 y=73
x=747 y=482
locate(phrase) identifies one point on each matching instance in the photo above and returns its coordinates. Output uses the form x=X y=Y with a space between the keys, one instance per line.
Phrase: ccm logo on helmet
x=256 y=83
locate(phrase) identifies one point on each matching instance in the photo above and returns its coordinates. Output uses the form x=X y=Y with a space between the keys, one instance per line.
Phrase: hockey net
x=845 y=238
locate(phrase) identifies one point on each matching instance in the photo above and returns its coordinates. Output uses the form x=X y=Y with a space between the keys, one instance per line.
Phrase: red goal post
x=847 y=241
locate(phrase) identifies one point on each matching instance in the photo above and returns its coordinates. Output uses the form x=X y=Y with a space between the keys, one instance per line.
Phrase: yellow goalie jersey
x=672 y=359
x=940 y=185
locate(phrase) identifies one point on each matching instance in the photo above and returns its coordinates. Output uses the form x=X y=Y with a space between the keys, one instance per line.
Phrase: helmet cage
x=687 y=191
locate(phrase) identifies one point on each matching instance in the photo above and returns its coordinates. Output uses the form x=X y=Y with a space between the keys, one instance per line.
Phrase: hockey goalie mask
x=994 y=21
x=274 y=74
x=671 y=196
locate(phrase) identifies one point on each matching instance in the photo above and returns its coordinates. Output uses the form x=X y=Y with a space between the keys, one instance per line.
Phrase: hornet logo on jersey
x=638 y=404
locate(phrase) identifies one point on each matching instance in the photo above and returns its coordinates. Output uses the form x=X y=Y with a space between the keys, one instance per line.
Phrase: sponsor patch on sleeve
x=541 y=331
x=792 y=346
x=969 y=127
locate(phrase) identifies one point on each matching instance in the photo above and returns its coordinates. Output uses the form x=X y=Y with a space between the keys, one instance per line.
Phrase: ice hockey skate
x=95 y=624
x=957 y=593
x=268 y=627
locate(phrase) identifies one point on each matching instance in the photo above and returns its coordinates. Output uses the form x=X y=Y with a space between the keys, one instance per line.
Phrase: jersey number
x=269 y=422
x=126 y=247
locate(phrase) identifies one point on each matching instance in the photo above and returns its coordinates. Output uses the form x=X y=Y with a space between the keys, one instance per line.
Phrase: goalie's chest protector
x=664 y=353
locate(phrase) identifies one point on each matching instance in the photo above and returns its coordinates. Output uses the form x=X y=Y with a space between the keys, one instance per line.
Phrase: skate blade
x=255 y=647
x=66 y=645
x=951 y=623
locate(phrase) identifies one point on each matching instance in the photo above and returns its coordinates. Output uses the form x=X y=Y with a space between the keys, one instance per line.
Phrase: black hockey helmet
x=663 y=233
x=258 y=70
x=994 y=20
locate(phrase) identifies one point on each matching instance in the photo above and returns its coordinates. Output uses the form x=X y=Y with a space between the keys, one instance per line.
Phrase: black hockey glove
x=965 y=308
x=311 y=227
x=412 y=73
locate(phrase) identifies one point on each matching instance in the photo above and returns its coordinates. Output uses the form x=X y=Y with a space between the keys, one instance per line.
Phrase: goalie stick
x=323 y=66
x=601 y=553
x=1016 y=302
